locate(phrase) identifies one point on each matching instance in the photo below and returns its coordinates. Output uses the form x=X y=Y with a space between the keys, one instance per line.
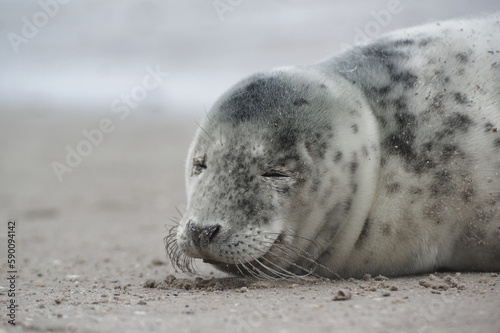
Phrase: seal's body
x=382 y=160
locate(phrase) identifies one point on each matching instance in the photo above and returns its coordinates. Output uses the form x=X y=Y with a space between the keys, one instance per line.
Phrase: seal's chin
x=253 y=267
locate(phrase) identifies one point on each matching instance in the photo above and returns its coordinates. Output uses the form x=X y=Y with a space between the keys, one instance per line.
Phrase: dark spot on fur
x=322 y=86
x=403 y=42
x=354 y=163
x=406 y=78
x=443 y=176
x=460 y=99
x=364 y=151
x=496 y=143
x=300 y=102
x=424 y=42
x=315 y=185
x=355 y=128
x=386 y=230
x=382 y=121
x=448 y=151
x=363 y=234
x=460 y=121
x=318 y=146
x=436 y=105
x=381 y=91
x=378 y=50
x=347 y=205
x=401 y=141
x=453 y=123
x=488 y=127
x=354 y=188
x=393 y=188
x=416 y=190
x=338 y=157
x=442 y=184
x=462 y=57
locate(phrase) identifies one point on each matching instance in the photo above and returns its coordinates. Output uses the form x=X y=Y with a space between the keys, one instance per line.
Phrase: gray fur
x=383 y=160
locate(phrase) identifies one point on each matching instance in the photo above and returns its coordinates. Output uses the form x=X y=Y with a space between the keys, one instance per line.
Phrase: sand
x=91 y=258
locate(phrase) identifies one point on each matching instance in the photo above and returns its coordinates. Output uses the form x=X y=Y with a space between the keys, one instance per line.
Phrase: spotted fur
x=384 y=159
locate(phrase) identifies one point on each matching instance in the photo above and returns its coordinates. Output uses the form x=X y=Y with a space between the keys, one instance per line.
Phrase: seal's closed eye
x=199 y=164
x=275 y=174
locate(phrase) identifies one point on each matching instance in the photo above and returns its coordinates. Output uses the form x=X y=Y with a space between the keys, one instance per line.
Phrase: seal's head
x=268 y=180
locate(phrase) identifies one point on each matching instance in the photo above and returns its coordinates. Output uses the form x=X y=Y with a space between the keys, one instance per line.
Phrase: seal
x=384 y=160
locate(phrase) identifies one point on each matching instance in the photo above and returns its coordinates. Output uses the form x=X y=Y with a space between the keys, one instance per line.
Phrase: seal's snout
x=202 y=236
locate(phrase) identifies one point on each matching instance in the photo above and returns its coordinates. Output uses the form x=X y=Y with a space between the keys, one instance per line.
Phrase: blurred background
x=149 y=69
x=86 y=53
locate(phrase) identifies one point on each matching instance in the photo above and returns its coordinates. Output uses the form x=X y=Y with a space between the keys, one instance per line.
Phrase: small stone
x=342 y=295
x=158 y=262
x=451 y=281
x=57 y=301
x=243 y=289
x=386 y=294
x=170 y=279
x=381 y=278
x=150 y=283
x=393 y=288
x=424 y=283
x=142 y=303
x=367 y=277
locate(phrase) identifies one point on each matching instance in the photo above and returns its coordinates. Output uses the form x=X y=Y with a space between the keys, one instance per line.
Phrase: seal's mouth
x=270 y=256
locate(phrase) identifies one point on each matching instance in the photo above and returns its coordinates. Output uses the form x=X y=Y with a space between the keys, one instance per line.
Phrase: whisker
x=302 y=254
x=250 y=271
x=178 y=211
x=290 y=262
x=261 y=273
x=284 y=274
x=180 y=261
x=209 y=136
x=176 y=220
x=239 y=269
x=282 y=259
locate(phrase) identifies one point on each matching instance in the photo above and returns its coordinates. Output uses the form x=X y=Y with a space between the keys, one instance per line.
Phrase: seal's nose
x=202 y=235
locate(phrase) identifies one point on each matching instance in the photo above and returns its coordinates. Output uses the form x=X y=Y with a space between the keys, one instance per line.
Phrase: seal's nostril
x=215 y=232
x=203 y=235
